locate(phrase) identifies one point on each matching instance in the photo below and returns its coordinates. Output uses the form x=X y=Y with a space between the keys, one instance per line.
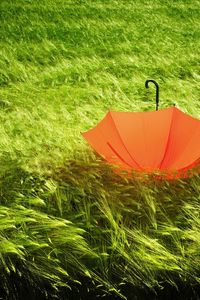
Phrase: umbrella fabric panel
x=183 y=147
x=145 y=135
x=105 y=139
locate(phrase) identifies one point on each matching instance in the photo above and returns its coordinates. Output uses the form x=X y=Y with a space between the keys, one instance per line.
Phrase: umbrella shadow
x=94 y=181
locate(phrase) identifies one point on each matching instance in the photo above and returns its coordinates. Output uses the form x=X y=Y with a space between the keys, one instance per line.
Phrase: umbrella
x=165 y=141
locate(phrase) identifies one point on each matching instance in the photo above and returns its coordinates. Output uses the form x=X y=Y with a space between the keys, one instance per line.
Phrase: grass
x=66 y=219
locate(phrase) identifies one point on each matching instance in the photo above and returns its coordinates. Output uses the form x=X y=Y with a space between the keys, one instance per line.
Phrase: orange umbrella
x=165 y=141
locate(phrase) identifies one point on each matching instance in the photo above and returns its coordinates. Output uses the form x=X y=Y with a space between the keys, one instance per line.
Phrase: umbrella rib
x=118 y=155
x=194 y=164
x=168 y=140
x=186 y=146
x=125 y=145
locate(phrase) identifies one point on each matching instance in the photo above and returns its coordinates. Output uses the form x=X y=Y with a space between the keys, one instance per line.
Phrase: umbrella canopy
x=165 y=141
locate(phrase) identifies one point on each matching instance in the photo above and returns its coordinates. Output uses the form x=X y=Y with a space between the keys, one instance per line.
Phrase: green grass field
x=66 y=220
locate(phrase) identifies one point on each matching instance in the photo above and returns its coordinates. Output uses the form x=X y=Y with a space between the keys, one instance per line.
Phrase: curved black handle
x=157 y=90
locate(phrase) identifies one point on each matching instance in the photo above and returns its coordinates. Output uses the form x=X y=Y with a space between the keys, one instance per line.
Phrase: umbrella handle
x=157 y=90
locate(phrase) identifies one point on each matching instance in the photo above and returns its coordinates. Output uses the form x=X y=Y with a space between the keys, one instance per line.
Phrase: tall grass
x=66 y=220
x=64 y=64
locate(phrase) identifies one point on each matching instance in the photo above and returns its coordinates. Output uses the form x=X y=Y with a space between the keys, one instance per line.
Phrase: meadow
x=70 y=228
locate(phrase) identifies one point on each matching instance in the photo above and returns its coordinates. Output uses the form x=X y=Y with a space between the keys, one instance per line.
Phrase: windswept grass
x=66 y=220
x=87 y=222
